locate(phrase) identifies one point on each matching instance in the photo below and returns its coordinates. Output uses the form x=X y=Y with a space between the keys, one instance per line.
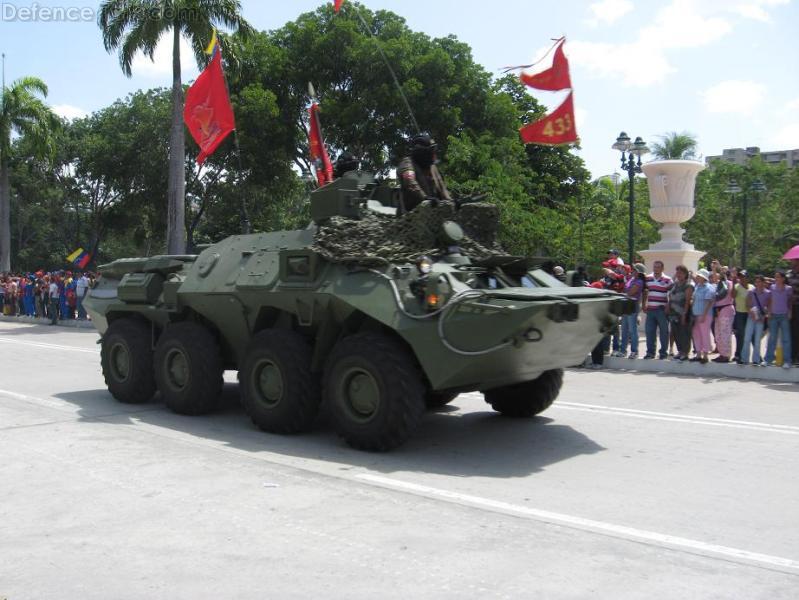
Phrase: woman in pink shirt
x=724 y=310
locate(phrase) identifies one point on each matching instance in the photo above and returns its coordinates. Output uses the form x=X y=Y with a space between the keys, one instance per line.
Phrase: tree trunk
x=176 y=212
x=5 y=217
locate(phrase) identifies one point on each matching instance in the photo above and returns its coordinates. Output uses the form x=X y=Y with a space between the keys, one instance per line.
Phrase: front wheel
x=126 y=357
x=528 y=398
x=374 y=391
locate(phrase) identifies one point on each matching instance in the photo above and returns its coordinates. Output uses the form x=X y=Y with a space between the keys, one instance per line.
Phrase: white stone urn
x=671 y=202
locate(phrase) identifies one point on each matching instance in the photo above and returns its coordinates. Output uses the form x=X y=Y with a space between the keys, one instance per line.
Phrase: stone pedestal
x=671 y=202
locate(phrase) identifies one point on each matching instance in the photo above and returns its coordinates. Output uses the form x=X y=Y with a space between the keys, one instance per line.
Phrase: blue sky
x=724 y=70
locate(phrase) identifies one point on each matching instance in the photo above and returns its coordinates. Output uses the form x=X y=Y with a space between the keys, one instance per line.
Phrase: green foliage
x=717 y=226
x=106 y=185
x=22 y=112
x=675 y=145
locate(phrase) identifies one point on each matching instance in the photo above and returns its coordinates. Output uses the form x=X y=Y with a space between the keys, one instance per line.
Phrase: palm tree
x=131 y=26
x=24 y=113
x=675 y=145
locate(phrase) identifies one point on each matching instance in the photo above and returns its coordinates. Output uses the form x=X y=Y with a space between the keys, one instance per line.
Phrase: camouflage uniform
x=419 y=184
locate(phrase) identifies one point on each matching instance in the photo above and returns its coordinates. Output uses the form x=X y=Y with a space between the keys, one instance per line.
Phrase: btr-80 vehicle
x=371 y=312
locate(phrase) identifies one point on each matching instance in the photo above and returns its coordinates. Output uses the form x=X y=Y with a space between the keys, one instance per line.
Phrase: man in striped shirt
x=656 y=306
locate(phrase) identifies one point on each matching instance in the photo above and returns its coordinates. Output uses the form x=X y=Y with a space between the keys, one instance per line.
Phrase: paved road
x=631 y=486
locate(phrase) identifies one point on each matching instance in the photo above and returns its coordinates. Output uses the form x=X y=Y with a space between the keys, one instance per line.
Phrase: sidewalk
x=74 y=323
x=710 y=369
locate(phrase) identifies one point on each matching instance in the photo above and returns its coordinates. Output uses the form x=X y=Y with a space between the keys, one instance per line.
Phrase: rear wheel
x=528 y=398
x=188 y=368
x=278 y=389
x=374 y=391
x=126 y=357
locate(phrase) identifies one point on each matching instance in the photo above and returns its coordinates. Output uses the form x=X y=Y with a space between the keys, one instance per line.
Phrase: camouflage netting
x=376 y=238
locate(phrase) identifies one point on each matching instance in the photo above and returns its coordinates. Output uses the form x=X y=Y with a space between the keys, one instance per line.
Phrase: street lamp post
x=733 y=188
x=628 y=163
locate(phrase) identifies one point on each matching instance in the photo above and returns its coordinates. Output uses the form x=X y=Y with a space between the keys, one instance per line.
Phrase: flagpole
x=244 y=218
x=388 y=66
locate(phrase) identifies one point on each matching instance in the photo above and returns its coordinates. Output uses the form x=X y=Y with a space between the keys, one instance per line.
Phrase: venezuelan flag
x=212 y=45
x=79 y=258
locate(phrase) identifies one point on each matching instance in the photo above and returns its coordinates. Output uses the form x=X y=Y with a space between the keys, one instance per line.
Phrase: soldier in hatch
x=418 y=175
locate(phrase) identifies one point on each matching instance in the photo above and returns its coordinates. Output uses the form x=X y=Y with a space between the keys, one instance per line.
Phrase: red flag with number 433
x=554 y=129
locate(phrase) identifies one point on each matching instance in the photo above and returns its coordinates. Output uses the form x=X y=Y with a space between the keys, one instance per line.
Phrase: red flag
x=319 y=156
x=337 y=5
x=208 y=113
x=554 y=78
x=554 y=129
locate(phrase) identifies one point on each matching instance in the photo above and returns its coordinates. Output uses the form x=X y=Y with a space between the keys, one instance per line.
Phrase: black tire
x=529 y=398
x=374 y=391
x=278 y=389
x=126 y=356
x=188 y=368
x=434 y=400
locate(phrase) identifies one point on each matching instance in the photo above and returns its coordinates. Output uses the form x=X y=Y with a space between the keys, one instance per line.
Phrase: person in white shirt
x=80 y=291
x=55 y=296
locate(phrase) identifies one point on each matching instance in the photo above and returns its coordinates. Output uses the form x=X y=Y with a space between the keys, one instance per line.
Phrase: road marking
x=49 y=346
x=623 y=531
x=674 y=417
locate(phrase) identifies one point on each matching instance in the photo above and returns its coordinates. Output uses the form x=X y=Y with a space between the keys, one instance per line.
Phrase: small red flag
x=554 y=78
x=337 y=5
x=554 y=129
x=207 y=112
x=319 y=156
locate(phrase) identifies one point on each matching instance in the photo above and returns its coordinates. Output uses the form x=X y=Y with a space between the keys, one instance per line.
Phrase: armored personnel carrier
x=372 y=312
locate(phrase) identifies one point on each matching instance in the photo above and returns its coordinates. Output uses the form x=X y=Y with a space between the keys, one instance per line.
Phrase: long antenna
x=388 y=66
x=3 y=89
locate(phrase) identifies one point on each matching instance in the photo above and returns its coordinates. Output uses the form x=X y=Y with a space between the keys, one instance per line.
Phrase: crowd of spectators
x=55 y=295
x=689 y=316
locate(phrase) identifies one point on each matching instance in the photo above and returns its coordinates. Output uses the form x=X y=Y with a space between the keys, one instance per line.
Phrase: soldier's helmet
x=345 y=162
x=423 y=149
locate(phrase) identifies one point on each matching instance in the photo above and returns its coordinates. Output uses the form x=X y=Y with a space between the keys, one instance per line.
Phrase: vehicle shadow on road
x=450 y=442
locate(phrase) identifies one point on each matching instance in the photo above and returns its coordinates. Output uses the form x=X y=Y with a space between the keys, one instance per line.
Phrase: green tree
x=137 y=25
x=23 y=112
x=675 y=146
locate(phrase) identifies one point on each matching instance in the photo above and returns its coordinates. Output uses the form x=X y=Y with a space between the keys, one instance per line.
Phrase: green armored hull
x=377 y=315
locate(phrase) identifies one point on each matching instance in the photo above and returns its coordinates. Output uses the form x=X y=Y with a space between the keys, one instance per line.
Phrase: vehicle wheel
x=278 y=390
x=374 y=391
x=188 y=368
x=528 y=398
x=434 y=400
x=126 y=356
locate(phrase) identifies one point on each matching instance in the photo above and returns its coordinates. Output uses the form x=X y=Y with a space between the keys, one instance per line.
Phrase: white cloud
x=756 y=9
x=606 y=12
x=69 y=112
x=161 y=65
x=644 y=60
x=786 y=138
x=635 y=64
x=752 y=11
x=682 y=25
x=734 y=96
x=791 y=106
x=580 y=117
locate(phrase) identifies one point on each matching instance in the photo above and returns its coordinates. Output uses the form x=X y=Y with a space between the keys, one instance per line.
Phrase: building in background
x=740 y=156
